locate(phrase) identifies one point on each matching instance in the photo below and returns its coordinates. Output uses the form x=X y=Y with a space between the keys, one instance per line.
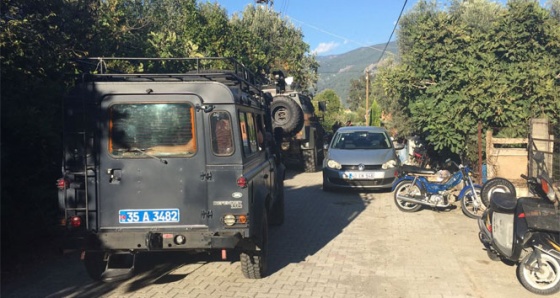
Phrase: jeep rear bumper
x=167 y=240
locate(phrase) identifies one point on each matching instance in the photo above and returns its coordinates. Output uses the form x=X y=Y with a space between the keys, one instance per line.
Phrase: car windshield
x=361 y=140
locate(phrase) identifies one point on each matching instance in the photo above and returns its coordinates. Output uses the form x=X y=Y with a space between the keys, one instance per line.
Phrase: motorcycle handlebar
x=449 y=160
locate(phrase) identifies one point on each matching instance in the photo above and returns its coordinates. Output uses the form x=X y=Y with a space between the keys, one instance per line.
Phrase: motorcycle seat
x=503 y=202
x=417 y=170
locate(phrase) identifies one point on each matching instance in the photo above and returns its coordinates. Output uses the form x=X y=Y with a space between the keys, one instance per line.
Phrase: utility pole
x=367 y=98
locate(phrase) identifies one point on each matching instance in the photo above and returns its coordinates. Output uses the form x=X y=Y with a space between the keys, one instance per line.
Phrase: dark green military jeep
x=161 y=160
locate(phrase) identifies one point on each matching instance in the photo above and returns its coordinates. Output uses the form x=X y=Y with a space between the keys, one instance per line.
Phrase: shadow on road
x=313 y=218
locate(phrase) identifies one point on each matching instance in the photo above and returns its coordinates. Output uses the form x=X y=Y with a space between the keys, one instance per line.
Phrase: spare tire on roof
x=286 y=114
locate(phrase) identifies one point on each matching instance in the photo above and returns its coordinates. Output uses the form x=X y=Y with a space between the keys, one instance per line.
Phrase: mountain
x=337 y=71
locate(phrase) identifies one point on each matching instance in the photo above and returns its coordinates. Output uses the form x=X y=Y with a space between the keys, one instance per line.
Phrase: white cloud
x=325 y=47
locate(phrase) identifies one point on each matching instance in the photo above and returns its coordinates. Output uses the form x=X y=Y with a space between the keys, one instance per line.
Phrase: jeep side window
x=166 y=129
x=260 y=132
x=248 y=133
x=222 y=139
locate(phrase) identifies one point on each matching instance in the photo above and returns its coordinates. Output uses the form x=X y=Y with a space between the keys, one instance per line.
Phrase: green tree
x=357 y=93
x=334 y=108
x=374 y=114
x=270 y=42
x=38 y=41
x=454 y=73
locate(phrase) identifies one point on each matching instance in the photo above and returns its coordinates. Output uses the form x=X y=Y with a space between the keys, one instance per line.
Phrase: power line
x=392 y=32
x=334 y=35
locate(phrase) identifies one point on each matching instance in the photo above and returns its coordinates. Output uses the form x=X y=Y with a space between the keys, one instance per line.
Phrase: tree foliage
x=475 y=62
x=275 y=44
x=335 y=110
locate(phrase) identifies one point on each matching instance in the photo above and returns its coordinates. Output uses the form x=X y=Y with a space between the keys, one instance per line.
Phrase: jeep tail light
x=62 y=184
x=230 y=219
x=75 y=221
x=242 y=219
x=242 y=182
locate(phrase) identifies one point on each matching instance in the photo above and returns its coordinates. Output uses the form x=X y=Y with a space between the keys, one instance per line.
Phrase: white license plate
x=358 y=175
x=148 y=215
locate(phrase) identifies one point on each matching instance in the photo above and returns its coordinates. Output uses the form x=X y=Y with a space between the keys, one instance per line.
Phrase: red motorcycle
x=420 y=157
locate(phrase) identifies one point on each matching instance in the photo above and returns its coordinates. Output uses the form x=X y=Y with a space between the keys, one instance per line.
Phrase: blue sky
x=337 y=26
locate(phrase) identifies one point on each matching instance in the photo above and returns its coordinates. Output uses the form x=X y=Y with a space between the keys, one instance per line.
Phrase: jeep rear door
x=152 y=162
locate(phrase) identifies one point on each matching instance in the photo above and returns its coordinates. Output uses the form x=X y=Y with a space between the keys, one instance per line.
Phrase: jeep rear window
x=152 y=129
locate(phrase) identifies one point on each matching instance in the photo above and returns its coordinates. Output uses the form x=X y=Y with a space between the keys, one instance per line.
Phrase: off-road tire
x=254 y=263
x=495 y=185
x=286 y=114
x=405 y=187
x=277 y=210
x=310 y=160
x=95 y=264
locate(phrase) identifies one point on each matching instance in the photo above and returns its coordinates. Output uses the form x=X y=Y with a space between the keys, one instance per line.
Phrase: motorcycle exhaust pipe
x=415 y=201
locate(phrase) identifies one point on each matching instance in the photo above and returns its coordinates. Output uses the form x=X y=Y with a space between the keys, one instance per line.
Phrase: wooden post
x=489 y=149
x=480 y=153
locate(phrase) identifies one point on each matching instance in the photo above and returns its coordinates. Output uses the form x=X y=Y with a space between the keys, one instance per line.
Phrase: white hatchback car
x=360 y=157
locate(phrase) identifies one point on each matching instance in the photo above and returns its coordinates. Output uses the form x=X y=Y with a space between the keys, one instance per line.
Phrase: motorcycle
x=420 y=157
x=526 y=231
x=412 y=190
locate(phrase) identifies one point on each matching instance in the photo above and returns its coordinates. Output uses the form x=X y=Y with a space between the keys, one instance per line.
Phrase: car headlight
x=333 y=164
x=390 y=164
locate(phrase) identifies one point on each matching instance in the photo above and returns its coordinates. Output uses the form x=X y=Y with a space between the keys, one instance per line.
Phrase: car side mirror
x=399 y=146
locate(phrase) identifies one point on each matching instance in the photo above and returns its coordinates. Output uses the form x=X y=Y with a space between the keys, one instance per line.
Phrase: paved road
x=341 y=244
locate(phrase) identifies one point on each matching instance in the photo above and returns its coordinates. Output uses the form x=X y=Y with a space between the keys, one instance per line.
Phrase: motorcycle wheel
x=467 y=203
x=406 y=188
x=495 y=185
x=542 y=281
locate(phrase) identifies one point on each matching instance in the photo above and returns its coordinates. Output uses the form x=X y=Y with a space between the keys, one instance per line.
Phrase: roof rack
x=221 y=69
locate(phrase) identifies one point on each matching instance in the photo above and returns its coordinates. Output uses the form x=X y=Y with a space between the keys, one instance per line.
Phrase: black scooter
x=526 y=232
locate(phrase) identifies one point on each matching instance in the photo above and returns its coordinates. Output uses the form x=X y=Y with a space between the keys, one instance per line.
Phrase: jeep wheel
x=95 y=264
x=254 y=263
x=286 y=114
x=277 y=209
x=310 y=160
